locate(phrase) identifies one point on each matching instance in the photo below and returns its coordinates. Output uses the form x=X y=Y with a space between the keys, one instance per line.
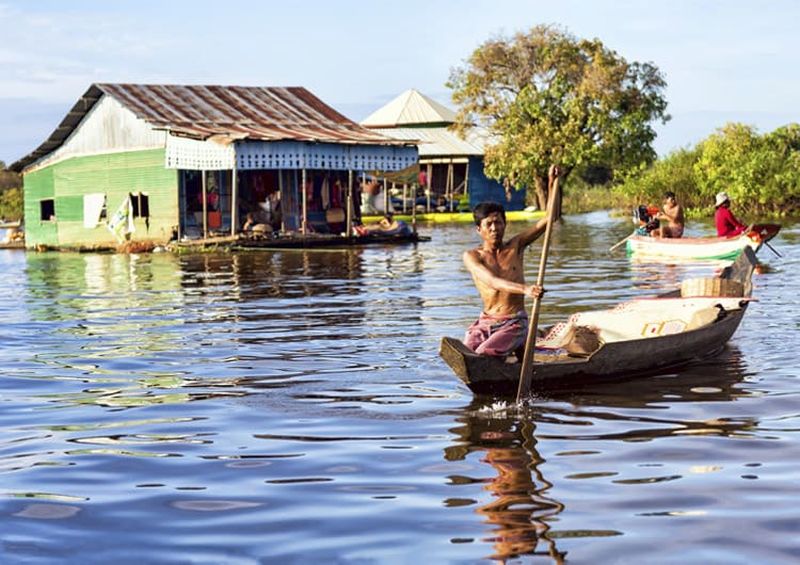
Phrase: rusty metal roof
x=238 y=112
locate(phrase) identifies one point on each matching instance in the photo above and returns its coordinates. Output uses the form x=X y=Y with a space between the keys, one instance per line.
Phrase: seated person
x=672 y=213
x=727 y=224
x=648 y=223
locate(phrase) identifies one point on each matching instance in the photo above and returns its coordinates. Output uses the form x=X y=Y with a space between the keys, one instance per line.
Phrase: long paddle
x=613 y=247
x=775 y=251
x=767 y=243
x=526 y=374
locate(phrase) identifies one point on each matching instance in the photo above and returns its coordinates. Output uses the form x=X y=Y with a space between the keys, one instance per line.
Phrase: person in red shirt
x=727 y=224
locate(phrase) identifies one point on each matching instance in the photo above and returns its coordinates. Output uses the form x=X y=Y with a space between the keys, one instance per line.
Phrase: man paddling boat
x=496 y=268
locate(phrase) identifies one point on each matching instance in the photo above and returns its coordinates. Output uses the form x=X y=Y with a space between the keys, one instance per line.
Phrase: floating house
x=451 y=168
x=155 y=163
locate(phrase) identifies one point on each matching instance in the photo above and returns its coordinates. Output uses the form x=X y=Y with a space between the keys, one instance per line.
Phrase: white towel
x=93 y=205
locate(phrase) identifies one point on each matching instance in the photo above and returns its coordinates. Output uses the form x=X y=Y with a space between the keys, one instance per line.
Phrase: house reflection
x=62 y=286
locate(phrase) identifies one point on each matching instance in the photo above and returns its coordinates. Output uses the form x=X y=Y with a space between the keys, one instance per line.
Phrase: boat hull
x=699 y=248
x=703 y=249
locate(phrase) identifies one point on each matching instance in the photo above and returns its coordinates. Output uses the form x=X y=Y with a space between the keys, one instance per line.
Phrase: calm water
x=290 y=407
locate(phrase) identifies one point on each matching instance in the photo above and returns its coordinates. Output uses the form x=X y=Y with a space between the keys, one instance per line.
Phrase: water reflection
x=722 y=378
x=519 y=511
x=662 y=277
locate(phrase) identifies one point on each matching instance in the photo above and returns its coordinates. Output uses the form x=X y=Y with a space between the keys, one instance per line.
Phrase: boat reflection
x=519 y=510
x=722 y=378
x=657 y=277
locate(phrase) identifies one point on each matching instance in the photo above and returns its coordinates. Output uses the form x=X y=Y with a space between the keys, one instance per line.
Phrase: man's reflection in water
x=519 y=510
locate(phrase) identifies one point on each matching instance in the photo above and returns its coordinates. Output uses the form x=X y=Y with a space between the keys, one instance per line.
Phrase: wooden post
x=349 y=213
x=526 y=374
x=205 y=206
x=451 y=179
x=234 y=196
x=428 y=188
x=280 y=191
x=466 y=184
x=182 y=221
x=414 y=211
x=405 y=197
x=304 y=200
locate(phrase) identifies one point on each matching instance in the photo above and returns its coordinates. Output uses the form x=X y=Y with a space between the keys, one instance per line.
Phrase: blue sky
x=724 y=60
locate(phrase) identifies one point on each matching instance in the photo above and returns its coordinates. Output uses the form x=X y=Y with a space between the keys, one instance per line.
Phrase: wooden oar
x=613 y=247
x=526 y=374
x=775 y=251
x=767 y=243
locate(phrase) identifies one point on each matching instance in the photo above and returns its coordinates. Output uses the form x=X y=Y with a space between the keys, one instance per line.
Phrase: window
x=141 y=204
x=47 y=210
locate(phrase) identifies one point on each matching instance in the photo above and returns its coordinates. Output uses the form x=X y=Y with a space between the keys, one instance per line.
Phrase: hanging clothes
x=325 y=193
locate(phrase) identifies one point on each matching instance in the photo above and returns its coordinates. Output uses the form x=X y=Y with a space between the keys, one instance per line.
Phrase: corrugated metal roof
x=236 y=112
x=409 y=109
x=440 y=142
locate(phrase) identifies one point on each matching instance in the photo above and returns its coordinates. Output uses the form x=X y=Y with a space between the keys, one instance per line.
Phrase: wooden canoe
x=614 y=360
x=700 y=248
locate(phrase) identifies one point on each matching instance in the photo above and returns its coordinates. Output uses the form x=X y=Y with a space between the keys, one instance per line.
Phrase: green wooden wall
x=116 y=175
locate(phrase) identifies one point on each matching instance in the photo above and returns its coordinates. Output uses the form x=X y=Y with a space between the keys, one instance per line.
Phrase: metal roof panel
x=240 y=112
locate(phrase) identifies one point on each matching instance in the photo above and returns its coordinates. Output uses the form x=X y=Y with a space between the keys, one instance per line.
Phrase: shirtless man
x=496 y=268
x=673 y=214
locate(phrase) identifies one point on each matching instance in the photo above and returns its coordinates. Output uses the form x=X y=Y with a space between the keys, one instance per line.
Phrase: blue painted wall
x=483 y=189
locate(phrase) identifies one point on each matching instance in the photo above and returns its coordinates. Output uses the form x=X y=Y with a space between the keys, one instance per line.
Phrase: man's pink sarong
x=497 y=335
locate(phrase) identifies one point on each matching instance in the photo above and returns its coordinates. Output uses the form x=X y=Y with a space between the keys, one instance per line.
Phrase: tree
x=675 y=173
x=10 y=194
x=760 y=171
x=546 y=97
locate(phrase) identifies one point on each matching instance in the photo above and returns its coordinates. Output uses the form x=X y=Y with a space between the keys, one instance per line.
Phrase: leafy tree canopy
x=10 y=194
x=547 y=97
x=761 y=173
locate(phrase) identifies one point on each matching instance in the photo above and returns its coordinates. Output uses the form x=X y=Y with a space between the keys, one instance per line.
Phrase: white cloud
x=55 y=56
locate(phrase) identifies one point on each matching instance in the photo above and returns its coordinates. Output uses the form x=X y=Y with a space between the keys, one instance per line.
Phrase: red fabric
x=214 y=220
x=727 y=224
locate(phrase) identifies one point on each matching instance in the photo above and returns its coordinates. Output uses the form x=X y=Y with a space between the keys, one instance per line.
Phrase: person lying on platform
x=496 y=269
x=672 y=213
x=727 y=224
x=388 y=225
